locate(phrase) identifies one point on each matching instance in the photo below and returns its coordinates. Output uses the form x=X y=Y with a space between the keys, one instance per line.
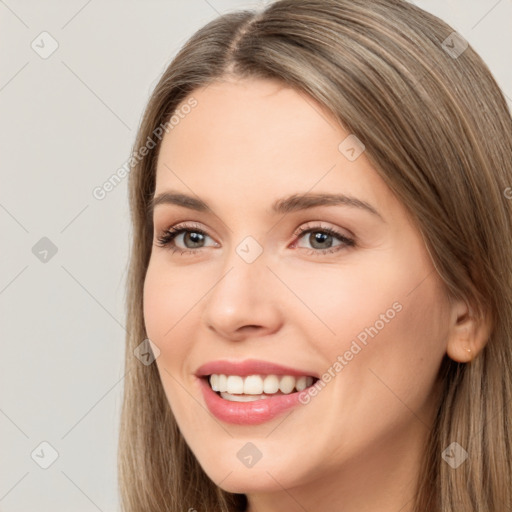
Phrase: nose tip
x=232 y=330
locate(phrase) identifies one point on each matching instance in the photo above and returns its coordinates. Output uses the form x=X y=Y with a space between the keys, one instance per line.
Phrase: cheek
x=392 y=356
x=165 y=307
x=388 y=330
x=168 y=319
x=338 y=303
x=155 y=303
x=167 y=299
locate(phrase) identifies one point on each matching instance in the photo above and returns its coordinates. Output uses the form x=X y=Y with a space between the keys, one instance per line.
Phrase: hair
x=438 y=130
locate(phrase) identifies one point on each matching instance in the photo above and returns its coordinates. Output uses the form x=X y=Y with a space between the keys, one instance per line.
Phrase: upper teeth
x=258 y=384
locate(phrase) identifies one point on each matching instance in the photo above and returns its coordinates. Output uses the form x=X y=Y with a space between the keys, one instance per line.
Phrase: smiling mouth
x=236 y=388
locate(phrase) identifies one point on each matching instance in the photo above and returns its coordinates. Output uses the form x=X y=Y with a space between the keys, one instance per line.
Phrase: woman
x=322 y=263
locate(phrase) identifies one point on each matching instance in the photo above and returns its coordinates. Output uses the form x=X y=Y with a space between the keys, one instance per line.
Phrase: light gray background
x=67 y=123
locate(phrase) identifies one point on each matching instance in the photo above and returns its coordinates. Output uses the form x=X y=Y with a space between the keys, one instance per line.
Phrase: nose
x=244 y=300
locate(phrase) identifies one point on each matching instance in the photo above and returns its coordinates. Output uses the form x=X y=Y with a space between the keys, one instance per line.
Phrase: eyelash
x=168 y=236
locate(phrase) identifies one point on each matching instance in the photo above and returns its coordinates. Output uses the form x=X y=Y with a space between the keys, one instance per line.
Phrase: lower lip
x=246 y=413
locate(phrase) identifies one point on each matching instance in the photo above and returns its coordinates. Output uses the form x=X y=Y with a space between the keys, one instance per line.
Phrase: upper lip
x=250 y=367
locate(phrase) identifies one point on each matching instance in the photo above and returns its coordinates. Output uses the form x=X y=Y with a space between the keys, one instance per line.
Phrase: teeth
x=235 y=385
x=271 y=384
x=214 y=382
x=301 y=383
x=287 y=384
x=222 y=383
x=252 y=387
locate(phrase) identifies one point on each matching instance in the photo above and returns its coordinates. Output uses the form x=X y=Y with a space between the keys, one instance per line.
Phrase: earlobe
x=468 y=333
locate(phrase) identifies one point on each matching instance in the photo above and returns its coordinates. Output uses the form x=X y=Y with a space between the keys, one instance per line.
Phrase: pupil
x=320 y=238
x=195 y=236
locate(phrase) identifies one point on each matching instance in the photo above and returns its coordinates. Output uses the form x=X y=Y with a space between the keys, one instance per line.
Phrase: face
x=344 y=292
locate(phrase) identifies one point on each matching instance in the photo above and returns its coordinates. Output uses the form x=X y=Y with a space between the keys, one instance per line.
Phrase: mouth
x=251 y=392
x=252 y=399
x=250 y=388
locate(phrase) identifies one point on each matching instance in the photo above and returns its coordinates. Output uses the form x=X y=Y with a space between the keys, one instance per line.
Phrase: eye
x=193 y=235
x=321 y=240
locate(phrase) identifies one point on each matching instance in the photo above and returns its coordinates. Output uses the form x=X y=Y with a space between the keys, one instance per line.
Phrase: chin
x=236 y=478
x=250 y=483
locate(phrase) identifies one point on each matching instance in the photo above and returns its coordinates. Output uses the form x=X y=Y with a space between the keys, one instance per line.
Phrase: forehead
x=260 y=137
x=255 y=115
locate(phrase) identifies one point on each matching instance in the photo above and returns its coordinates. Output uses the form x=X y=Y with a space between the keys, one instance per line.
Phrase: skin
x=356 y=446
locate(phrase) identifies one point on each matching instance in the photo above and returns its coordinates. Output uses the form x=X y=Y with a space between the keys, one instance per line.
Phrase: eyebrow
x=293 y=203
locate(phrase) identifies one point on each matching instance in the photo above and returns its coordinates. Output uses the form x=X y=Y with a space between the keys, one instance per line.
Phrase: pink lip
x=250 y=367
x=248 y=413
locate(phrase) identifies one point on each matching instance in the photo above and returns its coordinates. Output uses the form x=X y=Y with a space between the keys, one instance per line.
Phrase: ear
x=468 y=332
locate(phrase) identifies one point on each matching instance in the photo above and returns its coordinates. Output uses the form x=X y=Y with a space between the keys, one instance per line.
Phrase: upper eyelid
x=299 y=232
x=196 y=226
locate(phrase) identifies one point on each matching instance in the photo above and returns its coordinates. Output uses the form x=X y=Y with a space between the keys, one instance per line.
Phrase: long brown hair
x=438 y=131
